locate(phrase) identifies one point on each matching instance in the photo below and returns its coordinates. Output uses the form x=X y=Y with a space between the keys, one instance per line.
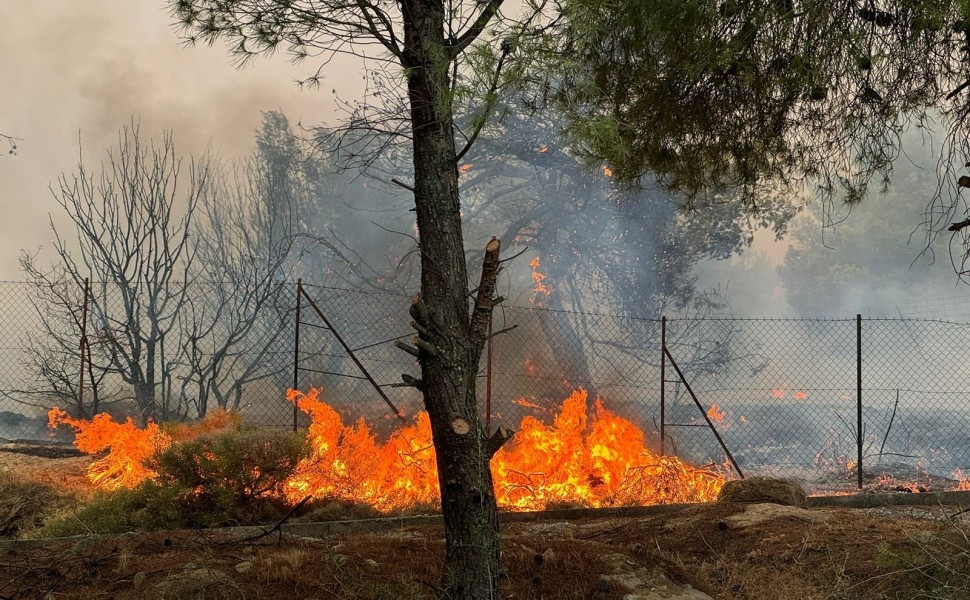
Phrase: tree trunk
x=451 y=340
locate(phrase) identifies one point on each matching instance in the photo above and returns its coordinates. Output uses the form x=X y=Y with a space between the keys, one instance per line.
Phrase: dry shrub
x=196 y=584
x=25 y=504
x=764 y=489
x=336 y=510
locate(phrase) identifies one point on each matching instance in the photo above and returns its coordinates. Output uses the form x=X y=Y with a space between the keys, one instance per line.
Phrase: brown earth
x=727 y=551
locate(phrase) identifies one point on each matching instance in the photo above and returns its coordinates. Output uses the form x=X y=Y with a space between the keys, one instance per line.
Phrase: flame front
x=583 y=458
x=128 y=446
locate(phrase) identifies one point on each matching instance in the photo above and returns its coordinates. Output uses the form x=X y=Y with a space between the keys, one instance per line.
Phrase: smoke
x=81 y=70
x=871 y=259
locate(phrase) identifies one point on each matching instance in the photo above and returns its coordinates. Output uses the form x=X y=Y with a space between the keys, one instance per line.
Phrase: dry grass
x=731 y=551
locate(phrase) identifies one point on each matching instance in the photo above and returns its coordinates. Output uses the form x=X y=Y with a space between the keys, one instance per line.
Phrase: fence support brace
x=720 y=441
x=663 y=386
x=301 y=293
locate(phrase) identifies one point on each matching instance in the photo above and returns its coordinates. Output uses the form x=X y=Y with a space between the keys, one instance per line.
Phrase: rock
x=244 y=567
x=756 y=514
x=338 y=559
x=646 y=583
x=764 y=489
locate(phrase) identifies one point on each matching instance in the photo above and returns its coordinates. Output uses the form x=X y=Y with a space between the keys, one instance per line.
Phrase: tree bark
x=451 y=339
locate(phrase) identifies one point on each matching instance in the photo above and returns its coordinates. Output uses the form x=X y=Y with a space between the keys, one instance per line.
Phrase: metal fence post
x=83 y=348
x=296 y=350
x=663 y=385
x=858 y=395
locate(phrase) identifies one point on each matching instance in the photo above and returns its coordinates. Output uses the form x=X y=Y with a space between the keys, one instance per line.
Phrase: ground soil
x=729 y=551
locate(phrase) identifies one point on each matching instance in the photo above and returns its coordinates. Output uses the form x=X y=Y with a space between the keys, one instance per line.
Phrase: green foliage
x=237 y=468
x=147 y=507
x=753 y=93
x=228 y=479
x=929 y=566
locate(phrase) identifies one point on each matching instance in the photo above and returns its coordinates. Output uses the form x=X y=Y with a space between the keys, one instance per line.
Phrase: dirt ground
x=724 y=551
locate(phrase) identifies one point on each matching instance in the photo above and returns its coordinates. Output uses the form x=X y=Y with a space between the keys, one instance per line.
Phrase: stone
x=764 y=489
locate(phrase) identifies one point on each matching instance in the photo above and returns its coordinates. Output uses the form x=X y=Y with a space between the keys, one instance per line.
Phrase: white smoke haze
x=85 y=69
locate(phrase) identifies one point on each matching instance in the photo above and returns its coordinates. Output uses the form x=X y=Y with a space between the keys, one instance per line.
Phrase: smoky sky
x=71 y=70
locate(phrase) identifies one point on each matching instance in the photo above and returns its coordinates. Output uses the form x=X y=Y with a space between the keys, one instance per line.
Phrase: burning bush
x=232 y=478
x=130 y=447
x=587 y=456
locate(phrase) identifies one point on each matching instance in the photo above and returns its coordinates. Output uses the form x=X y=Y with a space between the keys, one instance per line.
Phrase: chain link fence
x=785 y=396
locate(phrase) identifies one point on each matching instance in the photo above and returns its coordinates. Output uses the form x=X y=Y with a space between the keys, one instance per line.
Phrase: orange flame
x=597 y=459
x=129 y=447
x=347 y=463
x=715 y=413
x=539 y=279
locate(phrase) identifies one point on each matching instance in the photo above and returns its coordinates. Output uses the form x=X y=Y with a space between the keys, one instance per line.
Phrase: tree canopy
x=757 y=93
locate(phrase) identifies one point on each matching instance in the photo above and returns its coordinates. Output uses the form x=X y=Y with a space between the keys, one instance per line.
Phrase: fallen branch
x=277 y=528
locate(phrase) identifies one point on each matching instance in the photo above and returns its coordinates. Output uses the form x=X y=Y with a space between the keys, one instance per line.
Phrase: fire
x=597 y=461
x=715 y=413
x=347 y=463
x=129 y=447
x=587 y=456
x=465 y=168
x=607 y=171
x=539 y=279
x=800 y=395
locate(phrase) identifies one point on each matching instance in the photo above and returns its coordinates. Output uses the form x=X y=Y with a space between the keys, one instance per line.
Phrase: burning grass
x=587 y=456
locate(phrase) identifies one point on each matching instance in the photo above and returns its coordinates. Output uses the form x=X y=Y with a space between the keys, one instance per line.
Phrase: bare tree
x=11 y=142
x=131 y=235
x=246 y=235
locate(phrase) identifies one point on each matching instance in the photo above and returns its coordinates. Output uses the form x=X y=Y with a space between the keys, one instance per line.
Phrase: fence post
x=663 y=385
x=83 y=348
x=296 y=349
x=858 y=395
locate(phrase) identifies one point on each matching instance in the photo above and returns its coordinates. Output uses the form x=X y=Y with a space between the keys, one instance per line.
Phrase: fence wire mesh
x=783 y=394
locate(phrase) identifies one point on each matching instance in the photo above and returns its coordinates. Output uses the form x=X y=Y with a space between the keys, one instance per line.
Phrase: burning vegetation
x=587 y=456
